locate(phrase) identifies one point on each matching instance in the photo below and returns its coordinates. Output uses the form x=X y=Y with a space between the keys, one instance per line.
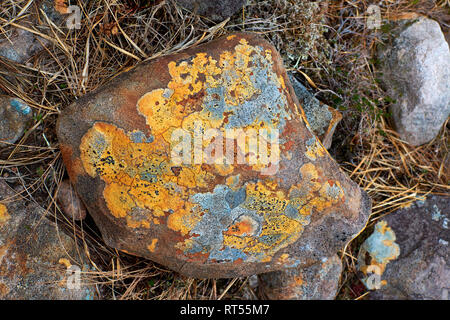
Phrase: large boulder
x=38 y=261
x=421 y=268
x=203 y=212
x=416 y=72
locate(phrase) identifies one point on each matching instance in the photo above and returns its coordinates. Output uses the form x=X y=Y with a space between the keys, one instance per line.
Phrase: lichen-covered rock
x=416 y=72
x=14 y=114
x=321 y=118
x=317 y=282
x=214 y=10
x=69 y=201
x=237 y=215
x=422 y=270
x=37 y=261
x=375 y=253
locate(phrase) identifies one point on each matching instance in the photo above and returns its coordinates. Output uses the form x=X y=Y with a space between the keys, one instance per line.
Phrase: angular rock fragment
x=321 y=118
x=37 y=261
x=150 y=156
x=317 y=282
x=69 y=201
x=422 y=270
x=14 y=113
x=416 y=73
x=214 y=10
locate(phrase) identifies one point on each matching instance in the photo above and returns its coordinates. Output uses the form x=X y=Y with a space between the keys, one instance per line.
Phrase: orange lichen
x=298 y=280
x=65 y=262
x=4 y=289
x=4 y=216
x=241 y=228
x=61 y=6
x=151 y=247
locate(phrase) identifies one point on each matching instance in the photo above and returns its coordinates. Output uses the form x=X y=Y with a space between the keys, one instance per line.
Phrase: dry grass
x=328 y=42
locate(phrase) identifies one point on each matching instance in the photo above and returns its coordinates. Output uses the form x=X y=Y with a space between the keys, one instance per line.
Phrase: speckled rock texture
x=35 y=256
x=322 y=119
x=18 y=44
x=69 y=201
x=14 y=114
x=214 y=10
x=416 y=73
x=422 y=270
x=317 y=282
x=208 y=219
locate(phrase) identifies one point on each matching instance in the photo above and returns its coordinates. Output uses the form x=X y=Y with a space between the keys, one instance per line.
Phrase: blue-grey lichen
x=380 y=248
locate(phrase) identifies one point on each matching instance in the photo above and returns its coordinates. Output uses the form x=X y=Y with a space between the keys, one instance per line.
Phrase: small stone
x=422 y=270
x=322 y=119
x=69 y=201
x=416 y=73
x=36 y=258
x=317 y=282
x=20 y=46
x=209 y=214
x=214 y=10
x=14 y=113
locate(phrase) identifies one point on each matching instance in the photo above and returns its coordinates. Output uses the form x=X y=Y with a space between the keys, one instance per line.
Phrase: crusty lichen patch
x=235 y=221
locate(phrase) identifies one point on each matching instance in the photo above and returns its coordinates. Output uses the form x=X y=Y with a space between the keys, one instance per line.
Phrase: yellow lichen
x=316 y=150
x=133 y=180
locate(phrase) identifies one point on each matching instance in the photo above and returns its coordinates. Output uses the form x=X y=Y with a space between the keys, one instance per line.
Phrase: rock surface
x=322 y=118
x=317 y=282
x=214 y=10
x=19 y=45
x=70 y=202
x=204 y=217
x=422 y=270
x=14 y=114
x=35 y=256
x=416 y=72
